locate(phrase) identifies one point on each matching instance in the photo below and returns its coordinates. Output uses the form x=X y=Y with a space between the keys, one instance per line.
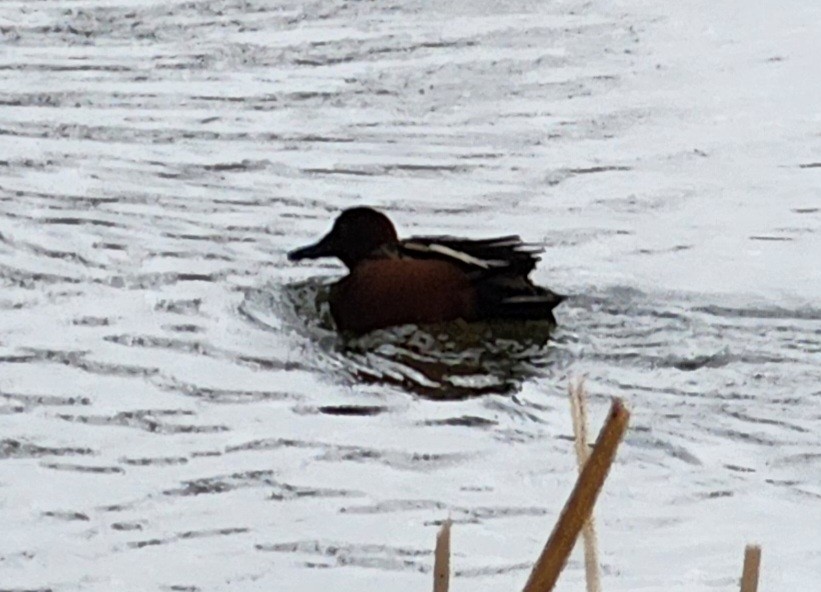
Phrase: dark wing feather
x=499 y=266
x=491 y=255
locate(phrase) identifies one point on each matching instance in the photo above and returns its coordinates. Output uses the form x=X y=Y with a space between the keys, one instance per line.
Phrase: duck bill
x=324 y=248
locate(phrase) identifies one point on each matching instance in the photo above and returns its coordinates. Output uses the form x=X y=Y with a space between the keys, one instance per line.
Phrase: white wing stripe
x=458 y=255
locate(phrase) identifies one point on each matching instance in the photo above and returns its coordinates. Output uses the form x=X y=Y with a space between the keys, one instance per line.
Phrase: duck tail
x=538 y=304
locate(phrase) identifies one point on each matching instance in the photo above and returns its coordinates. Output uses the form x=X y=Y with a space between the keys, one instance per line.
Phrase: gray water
x=177 y=412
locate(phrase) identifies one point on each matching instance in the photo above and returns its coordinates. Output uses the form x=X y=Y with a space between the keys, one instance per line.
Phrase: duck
x=426 y=280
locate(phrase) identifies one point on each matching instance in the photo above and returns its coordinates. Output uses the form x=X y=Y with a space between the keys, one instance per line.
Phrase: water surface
x=176 y=411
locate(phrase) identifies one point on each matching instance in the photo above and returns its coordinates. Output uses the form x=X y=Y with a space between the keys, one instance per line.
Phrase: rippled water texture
x=176 y=411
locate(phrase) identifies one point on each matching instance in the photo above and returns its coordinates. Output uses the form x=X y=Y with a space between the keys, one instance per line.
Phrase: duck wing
x=503 y=254
x=499 y=268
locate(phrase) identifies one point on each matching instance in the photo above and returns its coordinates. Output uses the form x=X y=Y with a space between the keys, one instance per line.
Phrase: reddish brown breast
x=384 y=292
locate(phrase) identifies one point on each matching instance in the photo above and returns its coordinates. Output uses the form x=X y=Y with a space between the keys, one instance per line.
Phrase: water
x=177 y=413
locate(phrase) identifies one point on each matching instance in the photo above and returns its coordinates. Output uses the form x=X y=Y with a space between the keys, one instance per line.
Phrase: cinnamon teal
x=426 y=279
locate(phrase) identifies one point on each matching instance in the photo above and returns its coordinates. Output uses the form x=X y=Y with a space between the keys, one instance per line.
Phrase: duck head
x=356 y=233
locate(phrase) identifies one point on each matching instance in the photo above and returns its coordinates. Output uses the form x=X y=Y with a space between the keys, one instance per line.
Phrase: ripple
x=10 y=448
x=397 y=459
x=339 y=554
x=187 y=535
x=146 y=419
x=345 y=410
x=96 y=469
x=29 y=401
x=67 y=516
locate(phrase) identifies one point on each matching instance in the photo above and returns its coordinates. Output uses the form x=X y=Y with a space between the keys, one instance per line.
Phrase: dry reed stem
x=441 y=562
x=578 y=411
x=752 y=562
x=577 y=509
